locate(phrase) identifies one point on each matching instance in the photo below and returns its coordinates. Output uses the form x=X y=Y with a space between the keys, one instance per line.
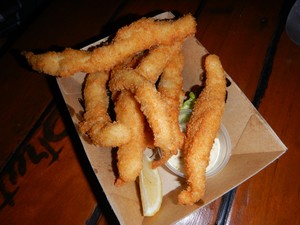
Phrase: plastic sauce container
x=219 y=155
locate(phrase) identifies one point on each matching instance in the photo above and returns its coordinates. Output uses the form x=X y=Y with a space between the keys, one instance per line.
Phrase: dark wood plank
x=25 y=94
x=44 y=182
x=273 y=194
x=24 y=97
x=137 y=8
x=239 y=32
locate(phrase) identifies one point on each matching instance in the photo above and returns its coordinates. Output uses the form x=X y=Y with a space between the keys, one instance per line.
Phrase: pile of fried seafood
x=142 y=69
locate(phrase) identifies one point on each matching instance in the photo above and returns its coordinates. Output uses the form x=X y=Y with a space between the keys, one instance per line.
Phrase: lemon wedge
x=150 y=188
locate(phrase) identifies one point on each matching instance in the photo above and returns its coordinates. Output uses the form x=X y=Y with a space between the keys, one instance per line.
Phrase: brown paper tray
x=254 y=146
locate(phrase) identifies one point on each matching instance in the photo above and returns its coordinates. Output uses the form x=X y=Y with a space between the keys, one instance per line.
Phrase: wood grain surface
x=45 y=176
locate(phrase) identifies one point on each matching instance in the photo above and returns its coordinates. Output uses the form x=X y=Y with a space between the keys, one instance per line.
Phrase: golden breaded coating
x=154 y=63
x=96 y=101
x=129 y=40
x=202 y=129
x=170 y=87
x=153 y=106
x=130 y=155
x=97 y=123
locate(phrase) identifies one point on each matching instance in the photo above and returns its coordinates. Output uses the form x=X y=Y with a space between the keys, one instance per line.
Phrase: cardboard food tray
x=254 y=146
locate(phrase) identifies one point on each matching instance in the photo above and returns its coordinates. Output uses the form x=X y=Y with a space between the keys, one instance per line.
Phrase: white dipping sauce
x=177 y=162
x=219 y=154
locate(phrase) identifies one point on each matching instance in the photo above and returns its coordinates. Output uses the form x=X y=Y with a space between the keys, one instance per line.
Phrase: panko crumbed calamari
x=129 y=40
x=96 y=122
x=202 y=129
x=130 y=155
x=154 y=63
x=152 y=105
x=142 y=68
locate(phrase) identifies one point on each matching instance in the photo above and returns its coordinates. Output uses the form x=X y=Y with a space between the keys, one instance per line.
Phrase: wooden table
x=46 y=179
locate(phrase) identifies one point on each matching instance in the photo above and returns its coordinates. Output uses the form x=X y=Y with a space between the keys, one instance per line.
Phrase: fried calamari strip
x=202 y=129
x=96 y=101
x=153 y=107
x=130 y=155
x=129 y=40
x=170 y=87
x=153 y=64
x=97 y=123
x=111 y=135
